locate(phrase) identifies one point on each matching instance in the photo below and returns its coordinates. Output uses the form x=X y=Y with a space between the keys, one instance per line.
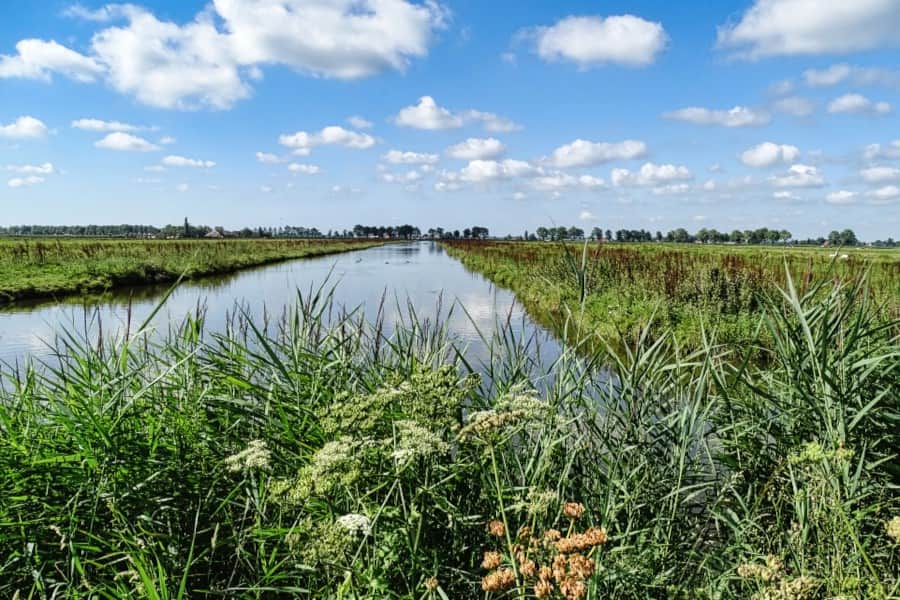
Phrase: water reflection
x=384 y=282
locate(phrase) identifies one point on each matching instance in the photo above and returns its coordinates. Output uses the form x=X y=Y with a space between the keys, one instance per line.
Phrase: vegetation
x=316 y=459
x=35 y=268
x=612 y=289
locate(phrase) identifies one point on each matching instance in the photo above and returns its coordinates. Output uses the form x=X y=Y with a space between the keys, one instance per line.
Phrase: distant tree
x=597 y=233
x=542 y=233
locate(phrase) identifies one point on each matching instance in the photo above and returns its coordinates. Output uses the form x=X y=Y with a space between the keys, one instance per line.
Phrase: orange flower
x=497 y=529
x=492 y=560
x=573 y=510
x=496 y=581
x=543 y=589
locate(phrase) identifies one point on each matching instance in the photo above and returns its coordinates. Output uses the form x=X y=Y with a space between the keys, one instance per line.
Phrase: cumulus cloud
x=44 y=169
x=20 y=182
x=841 y=197
x=859 y=105
x=304 y=169
x=842 y=72
x=303 y=142
x=880 y=174
x=268 y=159
x=104 y=126
x=809 y=27
x=409 y=177
x=795 y=105
x=39 y=59
x=181 y=161
x=559 y=181
x=890 y=150
x=739 y=116
x=398 y=157
x=208 y=61
x=477 y=148
x=799 y=176
x=478 y=171
x=885 y=195
x=24 y=128
x=651 y=174
x=429 y=115
x=125 y=142
x=768 y=153
x=593 y=40
x=582 y=153
x=360 y=122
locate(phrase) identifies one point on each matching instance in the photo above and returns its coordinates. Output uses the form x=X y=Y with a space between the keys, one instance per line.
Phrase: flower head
x=254 y=457
x=356 y=524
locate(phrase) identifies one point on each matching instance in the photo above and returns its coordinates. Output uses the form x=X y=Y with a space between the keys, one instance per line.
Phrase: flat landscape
x=449 y=300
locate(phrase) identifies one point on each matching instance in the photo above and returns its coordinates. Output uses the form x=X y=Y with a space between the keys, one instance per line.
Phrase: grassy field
x=313 y=459
x=36 y=268
x=689 y=289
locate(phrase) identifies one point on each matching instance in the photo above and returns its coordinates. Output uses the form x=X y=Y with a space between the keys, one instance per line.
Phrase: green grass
x=311 y=458
x=614 y=289
x=34 y=268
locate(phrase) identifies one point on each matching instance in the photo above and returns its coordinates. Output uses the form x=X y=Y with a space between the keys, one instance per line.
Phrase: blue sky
x=512 y=115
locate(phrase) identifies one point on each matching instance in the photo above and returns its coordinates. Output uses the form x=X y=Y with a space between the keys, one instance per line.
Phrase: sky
x=650 y=114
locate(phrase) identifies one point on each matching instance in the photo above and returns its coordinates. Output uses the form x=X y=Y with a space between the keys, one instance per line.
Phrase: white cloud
x=268 y=159
x=38 y=59
x=880 y=174
x=303 y=142
x=125 y=142
x=488 y=170
x=651 y=174
x=44 y=169
x=397 y=157
x=795 y=105
x=182 y=188
x=785 y=195
x=304 y=169
x=799 y=176
x=739 y=116
x=587 y=215
x=840 y=73
x=477 y=148
x=890 y=150
x=807 y=27
x=20 y=182
x=581 y=153
x=359 y=122
x=858 y=104
x=841 y=197
x=208 y=61
x=885 y=194
x=559 y=180
x=167 y=140
x=404 y=178
x=781 y=88
x=588 y=41
x=24 y=128
x=672 y=188
x=429 y=115
x=104 y=126
x=180 y=161
x=767 y=154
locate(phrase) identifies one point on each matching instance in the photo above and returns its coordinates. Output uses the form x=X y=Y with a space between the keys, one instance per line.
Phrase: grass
x=313 y=457
x=615 y=289
x=38 y=268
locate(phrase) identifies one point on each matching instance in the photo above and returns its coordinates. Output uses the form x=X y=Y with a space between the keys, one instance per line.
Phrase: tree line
x=762 y=235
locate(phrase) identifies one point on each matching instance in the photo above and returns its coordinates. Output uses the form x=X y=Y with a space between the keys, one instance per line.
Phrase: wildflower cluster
x=778 y=585
x=255 y=457
x=518 y=408
x=813 y=452
x=356 y=524
x=893 y=529
x=414 y=441
x=552 y=565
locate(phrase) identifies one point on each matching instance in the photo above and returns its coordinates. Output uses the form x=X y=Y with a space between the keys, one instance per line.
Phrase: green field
x=691 y=290
x=313 y=459
x=38 y=268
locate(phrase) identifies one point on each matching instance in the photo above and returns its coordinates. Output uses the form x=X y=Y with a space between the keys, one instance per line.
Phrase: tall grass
x=35 y=268
x=314 y=457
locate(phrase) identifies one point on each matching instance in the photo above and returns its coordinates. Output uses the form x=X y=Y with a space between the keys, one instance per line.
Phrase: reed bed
x=613 y=289
x=36 y=268
x=312 y=456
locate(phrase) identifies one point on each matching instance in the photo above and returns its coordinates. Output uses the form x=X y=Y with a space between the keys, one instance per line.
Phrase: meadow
x=315 y=457
x=39 y=268
x=608 y=290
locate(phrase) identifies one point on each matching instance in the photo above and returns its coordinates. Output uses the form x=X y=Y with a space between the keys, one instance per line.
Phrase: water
x=418 y=272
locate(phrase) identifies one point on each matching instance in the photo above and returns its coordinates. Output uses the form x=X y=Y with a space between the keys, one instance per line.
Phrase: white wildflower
x=255 y=456
x=356 y=524
x=414 y=441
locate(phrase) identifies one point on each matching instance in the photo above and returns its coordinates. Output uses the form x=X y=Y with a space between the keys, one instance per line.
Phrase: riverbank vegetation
x=608 y=290
x=34 y=268
x=313 y=457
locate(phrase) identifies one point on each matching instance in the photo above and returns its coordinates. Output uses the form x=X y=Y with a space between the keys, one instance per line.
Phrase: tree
x=542 y=233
